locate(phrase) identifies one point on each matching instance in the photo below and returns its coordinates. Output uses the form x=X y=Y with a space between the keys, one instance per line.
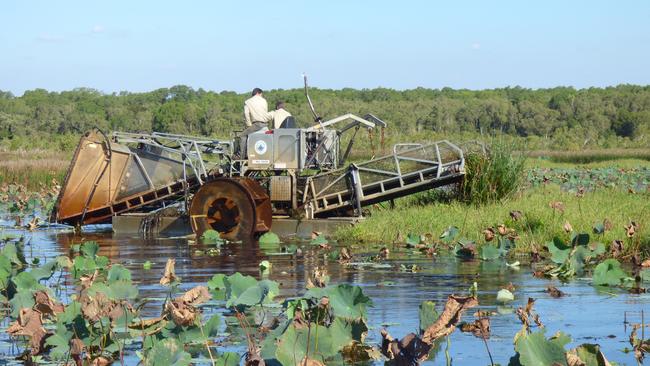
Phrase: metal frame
x=396 y=184
x=190 y=150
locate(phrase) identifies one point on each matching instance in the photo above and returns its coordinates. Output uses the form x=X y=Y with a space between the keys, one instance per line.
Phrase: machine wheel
x=238 y=208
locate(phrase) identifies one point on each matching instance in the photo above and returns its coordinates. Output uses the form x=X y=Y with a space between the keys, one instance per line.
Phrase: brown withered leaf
x=557 y=206
x=646 y=263
x=344 y=255
x=516 y=215
x=573 y=359
x=554 y=292
x=45 y=305
x=99 y=305
x=182 y=314
x=502 y=229
x=412 y=349
x=315 y=234
x=616 y=248
x=33 y=225
x=76 y=346
x=310 y=362
x=480 y=328
x=484 y=313
x=169 y=276
x=607 y=224
x=29 y=324
x=567 y=227
x=581 y=192
x=196 y=296
x=318 y=278
x=100 y=361
x=489 y=234
x=87 y=280
x=384 y=252
x=631 y=229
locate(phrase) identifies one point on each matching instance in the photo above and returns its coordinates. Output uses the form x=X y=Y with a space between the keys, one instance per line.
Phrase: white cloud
x=476 y=46
x=98 y=29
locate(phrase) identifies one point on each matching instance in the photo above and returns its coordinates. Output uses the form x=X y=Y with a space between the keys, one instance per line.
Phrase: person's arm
x=247 y=116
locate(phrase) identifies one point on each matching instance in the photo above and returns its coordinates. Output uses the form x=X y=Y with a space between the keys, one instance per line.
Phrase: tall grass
x=32 y=168
x=493 y=175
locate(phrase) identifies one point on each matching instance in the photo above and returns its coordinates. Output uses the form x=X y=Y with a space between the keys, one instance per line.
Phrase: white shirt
x=279 y=115
x=256 y=110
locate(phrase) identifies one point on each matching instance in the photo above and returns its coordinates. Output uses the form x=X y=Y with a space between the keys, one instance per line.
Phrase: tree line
x=581 y=117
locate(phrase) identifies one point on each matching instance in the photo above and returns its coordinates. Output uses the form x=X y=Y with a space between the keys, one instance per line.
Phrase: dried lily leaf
x=29 y=324
x=196 y=296
x=412 y=349
x=489 y=234
x=480 y=328
x=557 y=206
x=516 y=215
x=567 y=227
x=169 y=276
x=45 y=305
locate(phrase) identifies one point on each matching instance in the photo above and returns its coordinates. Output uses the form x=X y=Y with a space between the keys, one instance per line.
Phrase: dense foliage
x=568 y=117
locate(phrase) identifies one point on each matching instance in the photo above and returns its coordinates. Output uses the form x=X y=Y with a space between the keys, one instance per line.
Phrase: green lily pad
x=168 y=352
x=319 y=240
x=449 y=235
x=413 y=239
x=609 y=273
x=211 y=237
x=559 y=251
x=427 y=314
x=269 y=238
x=488 y=252
x=534 y=349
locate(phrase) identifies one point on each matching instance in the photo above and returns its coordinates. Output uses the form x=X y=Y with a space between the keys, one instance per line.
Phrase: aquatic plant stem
x=486 y=346
x=207 y=344
x=447 y=356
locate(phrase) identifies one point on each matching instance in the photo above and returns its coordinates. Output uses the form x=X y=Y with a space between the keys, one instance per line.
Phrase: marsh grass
x=494 y=175
x=32 y=168
x=592 y=155
x=539 y=223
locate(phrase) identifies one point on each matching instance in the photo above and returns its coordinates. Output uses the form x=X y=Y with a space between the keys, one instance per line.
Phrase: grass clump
x=493 y=175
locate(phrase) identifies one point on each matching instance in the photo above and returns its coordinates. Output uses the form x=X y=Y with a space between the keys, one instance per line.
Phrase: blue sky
x=144 y=45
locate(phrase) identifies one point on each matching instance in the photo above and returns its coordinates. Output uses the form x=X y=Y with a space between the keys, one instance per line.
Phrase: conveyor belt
x=411 y=168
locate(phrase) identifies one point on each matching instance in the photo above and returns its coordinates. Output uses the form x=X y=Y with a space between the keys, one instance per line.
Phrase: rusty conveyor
x=127 y=172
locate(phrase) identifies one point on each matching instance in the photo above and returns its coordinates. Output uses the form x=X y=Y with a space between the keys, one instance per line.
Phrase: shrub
x=493 y=175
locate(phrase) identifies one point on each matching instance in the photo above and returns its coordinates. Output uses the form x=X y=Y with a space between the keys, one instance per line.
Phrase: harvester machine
x=237 y=190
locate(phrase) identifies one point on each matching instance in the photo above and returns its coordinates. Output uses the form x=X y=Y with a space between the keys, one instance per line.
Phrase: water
x=588 y=314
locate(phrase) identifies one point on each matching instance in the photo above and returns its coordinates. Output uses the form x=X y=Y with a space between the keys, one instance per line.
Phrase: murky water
x=587 y=314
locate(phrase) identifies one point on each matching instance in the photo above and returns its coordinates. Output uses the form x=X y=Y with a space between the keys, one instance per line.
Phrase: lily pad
x=609 y=273
x=211 y=237
x=168 y=352
x=489 y=252
x=534 y=349
x=449 y=235
x=269 y=238
x=427 y=314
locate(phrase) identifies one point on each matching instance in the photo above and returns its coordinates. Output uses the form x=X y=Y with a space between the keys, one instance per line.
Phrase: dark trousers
x=256 y=126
